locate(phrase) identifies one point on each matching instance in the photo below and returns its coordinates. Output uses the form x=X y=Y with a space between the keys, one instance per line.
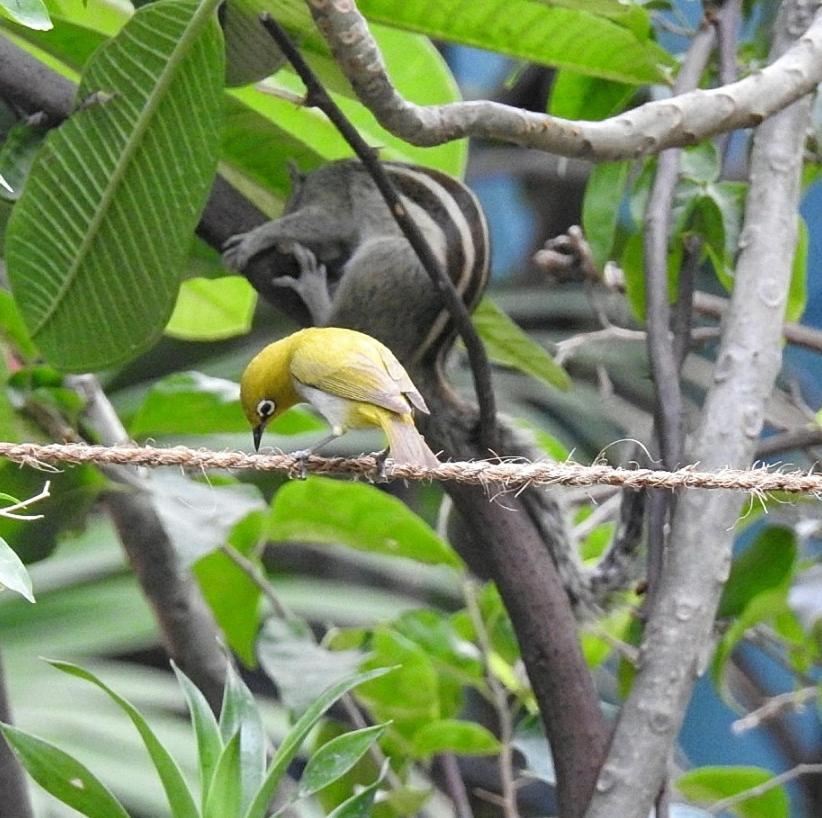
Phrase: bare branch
x=649 y=128
x=15 y=802
x=766 y=786
x=9 y=511
x=802 y=438
x=678 y=635
x=661 y=355
x=795 y=700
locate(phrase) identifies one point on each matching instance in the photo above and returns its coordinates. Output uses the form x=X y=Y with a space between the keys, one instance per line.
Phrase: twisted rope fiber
x=508 y=474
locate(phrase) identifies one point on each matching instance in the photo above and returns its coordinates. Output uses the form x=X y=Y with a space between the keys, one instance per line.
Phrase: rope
x=501 y=474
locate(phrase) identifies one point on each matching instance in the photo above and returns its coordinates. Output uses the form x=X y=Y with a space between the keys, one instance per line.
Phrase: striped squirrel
x=356 y=270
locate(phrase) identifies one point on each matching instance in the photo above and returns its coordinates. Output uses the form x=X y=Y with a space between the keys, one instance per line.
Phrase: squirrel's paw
x=240 y=249
x=311 y=285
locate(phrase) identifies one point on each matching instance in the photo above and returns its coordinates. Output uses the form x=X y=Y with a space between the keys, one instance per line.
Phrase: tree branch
x=186 y=624
x=14 y=794
x=649 y=128
x=678 y=635
x=661 y=355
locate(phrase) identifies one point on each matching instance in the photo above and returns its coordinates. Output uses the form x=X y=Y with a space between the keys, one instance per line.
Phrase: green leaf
x=14 y=328
x=225 y=794
x=359 y=805
x=766 y=564
x=507 y=344
x=711 y=784
x=232 y=595
x=700 y=163
x=30 y=13
x=410 y=698
x=455 y=736
x=798 y=291
x=322 y=510
x=206 y=729
x=176 y=790
x=240 y=718
x=600 y=207
x=336 y=758
x=766 y=606
x=212 y=309
x=95 y=269
x=293 y=741
x=534 y=32
x=63 y=776
x=437 y=635
x=575 y=96
x=407 y=800
x=13 y=574
x=633 y=265
x=189 y=403
x=290 y=656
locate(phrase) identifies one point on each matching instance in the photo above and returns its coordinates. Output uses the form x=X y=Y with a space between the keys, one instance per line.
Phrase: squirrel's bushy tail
x=406 y=443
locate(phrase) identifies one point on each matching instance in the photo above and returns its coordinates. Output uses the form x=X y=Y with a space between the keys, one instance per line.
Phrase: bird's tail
x=406 y=443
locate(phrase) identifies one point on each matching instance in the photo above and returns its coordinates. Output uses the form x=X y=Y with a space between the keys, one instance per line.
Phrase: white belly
x=333 y=408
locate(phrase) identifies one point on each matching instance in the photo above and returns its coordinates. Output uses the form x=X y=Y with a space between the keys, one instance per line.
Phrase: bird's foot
x=311 y=284
x=379 y=474
x=300 y=468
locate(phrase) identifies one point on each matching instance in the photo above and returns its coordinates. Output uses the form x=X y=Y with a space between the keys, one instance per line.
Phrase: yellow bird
x=350 y=378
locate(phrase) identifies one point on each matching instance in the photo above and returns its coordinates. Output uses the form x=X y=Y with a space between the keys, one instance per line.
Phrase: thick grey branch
x=677 y=641
x=649 y=128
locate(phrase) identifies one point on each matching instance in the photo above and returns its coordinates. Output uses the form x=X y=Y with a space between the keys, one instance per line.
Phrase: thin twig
x=727 y=25
x=803 y=438
x=774 y=706
x=508 y=800
x=8 y=511
x=317 y=96
x=455 y=786
x=661 y=353
x=716 y=306
x=568 y=346
x=765 y=786
x=254 y=573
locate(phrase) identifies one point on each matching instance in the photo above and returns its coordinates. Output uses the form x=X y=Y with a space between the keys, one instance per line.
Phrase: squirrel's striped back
x=455 y=210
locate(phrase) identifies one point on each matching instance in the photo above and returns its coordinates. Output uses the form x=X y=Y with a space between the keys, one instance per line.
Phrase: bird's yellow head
x=266 y=387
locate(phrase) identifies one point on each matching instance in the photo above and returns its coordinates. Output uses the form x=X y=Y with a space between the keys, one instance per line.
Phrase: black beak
x=258 y=436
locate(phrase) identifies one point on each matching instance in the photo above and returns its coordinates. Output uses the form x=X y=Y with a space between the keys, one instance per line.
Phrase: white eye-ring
x=265 y=408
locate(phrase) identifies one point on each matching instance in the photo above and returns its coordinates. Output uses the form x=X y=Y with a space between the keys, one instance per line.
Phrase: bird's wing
x=361 y=377
x=398 y=374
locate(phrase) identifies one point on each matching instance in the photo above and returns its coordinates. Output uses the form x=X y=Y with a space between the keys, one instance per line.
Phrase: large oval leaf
x=322 y=510
x=534 y=31
x=96 y=243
